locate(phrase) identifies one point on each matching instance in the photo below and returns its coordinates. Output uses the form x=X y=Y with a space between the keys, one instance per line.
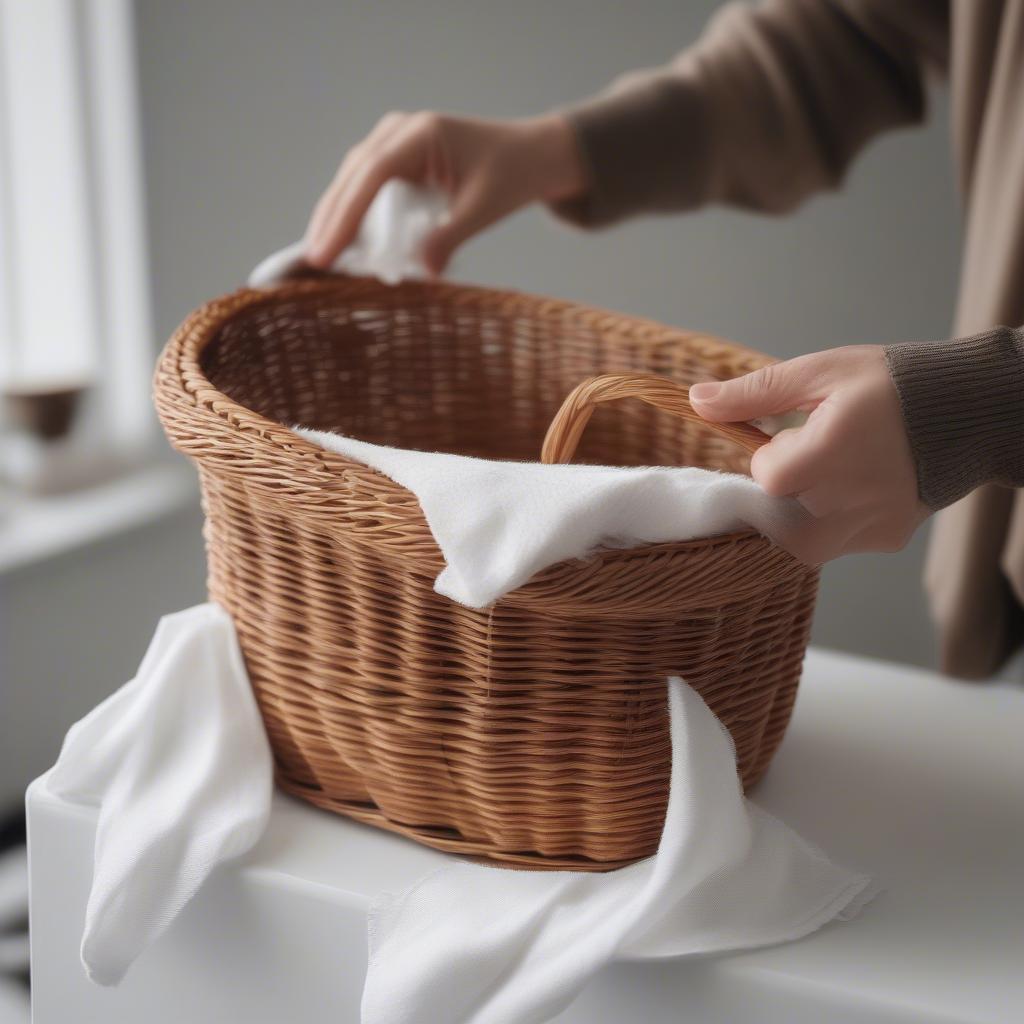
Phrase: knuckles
x=772 y=477
x=760 y=382
x=423 y=121
x=428 y=122
x=391 y=119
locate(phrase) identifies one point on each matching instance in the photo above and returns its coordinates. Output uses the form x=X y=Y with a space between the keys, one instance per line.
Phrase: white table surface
x=918 y=780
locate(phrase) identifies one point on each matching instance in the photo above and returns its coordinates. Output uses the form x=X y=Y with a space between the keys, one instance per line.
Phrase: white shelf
x=33 y=529
x=914 y=779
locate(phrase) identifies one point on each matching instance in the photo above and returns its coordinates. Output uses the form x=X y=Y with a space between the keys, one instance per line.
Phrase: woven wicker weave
x=534 y=732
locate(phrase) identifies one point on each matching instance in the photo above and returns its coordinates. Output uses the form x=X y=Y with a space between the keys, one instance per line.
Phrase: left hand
x=489 y=168
x=850 y=465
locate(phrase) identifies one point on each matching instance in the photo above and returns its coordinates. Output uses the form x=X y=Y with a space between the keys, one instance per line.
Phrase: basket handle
x=570 y=421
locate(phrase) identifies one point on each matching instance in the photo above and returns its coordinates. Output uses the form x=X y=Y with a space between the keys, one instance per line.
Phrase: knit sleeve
x=769 y=106
x=963 y=406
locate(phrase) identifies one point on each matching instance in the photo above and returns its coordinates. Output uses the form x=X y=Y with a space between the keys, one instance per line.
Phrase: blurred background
x=151 y=152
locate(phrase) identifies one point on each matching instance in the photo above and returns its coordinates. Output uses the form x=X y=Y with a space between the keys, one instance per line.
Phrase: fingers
x=820 y=500
x=777 y=388
x=392 y=149
x=849 y=467
x=785 y=465
x=488 y=169
x=800 y=461
x=820 y=540
x=475 y=207
x=317 y=240
x=342 y=222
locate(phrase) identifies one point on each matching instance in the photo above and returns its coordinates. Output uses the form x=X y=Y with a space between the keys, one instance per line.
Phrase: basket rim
x=183 y=391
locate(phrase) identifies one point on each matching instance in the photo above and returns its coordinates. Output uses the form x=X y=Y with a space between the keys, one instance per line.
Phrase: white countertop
x=915 y=779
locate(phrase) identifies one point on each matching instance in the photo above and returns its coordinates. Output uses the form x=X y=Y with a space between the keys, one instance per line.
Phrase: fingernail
x=705 y=391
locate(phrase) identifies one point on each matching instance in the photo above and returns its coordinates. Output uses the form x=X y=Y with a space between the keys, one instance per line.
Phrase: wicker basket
x=534 y=732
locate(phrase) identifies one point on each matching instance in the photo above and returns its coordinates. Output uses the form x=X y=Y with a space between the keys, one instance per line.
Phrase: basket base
x=448 y=841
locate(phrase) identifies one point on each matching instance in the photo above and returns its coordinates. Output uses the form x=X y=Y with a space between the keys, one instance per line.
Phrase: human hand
x=850 y=465
x=488 y=168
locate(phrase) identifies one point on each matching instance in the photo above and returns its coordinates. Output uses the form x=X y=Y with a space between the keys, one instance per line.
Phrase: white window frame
x=74 y=280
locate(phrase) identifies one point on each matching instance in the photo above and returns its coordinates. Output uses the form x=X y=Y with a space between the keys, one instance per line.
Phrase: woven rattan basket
x=534 y=732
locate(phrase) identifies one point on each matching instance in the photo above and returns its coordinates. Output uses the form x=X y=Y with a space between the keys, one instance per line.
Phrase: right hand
x=851 y=465
x=489 y=169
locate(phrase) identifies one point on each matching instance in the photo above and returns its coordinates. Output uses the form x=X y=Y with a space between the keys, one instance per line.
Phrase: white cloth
x=388 y=244
x=178 y=763
x=479 y=945
x=498 y=523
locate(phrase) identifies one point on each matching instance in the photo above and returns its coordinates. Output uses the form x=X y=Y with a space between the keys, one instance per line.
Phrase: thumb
x=473 y=209
x=777 y=388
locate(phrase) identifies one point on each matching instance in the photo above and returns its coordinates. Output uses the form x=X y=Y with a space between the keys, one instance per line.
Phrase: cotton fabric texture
x=499 y=523
x=178 y=763
x=772 y=105
x=388 y=244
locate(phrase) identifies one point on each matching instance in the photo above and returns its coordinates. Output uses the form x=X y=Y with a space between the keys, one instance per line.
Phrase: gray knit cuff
x=963 y=406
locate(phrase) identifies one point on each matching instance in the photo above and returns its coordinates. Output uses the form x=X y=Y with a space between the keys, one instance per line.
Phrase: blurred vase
x=47 y=415
x=38 y=451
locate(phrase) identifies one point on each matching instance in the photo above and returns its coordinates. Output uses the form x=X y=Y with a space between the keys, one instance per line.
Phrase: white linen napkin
x=178 y=763
x=499 y=523
x=388 y=244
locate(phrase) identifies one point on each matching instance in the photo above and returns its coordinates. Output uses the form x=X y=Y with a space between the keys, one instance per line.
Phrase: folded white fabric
x=480 y=945
x=388 y=244
x=178 y=763
x=498 y=523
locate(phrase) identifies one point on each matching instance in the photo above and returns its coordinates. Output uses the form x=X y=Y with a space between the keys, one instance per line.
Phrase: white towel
x=388 y=244
x=499 y=523
x=178 y=763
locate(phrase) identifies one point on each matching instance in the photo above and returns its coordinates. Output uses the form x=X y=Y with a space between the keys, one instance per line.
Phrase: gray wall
x=248 y=106
x=73 y=628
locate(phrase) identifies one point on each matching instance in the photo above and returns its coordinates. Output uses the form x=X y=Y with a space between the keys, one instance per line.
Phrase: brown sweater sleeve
x=769 y=106
x=963 y=406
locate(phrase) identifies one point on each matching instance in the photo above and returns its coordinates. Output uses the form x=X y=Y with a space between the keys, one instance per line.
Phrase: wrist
x=556 y=156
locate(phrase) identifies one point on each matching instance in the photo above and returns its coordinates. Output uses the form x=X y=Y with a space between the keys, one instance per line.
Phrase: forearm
x=769 y=106
x=963 y=407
